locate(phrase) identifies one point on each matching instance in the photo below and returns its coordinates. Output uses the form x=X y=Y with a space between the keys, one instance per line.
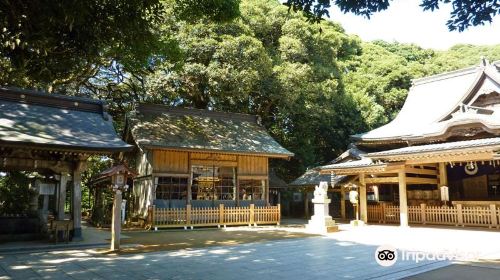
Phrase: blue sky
x=406 y=22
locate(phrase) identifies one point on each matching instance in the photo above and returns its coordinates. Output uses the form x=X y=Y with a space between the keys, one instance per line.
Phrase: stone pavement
x=304 y=258
x=93 y=237
x=349 y=254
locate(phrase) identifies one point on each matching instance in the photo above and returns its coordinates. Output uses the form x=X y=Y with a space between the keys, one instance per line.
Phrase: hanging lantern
x=471 y=168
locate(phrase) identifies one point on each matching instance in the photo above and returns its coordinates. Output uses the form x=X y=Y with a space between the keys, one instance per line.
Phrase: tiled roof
x=432 y=99
x=459 y=145
x=157 y=126
x=364 y=162
x=37 y=119
x=313 y=177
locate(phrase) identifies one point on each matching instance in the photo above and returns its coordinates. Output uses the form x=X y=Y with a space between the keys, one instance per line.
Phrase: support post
x=403 y=202
x=190 y=181
x=63 y=182
x=363 y=203
x=422 y=213
x=460 y=216
x=279 y=214
x=383 y=213
x=77 y=203
x=342 y=202
x=252 y=214
x=221 y=214
x=443 y=176
x=153 y=216
x=306 y=205
x=188 y=215
x=116 y=223
x=493 y=212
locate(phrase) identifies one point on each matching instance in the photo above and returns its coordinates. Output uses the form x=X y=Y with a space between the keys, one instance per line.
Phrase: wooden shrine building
x=53 y=135
x=303 y=188
x=196 y=165
x=438 y=161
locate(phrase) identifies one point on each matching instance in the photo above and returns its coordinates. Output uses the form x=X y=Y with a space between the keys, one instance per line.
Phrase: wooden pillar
x=342 y=202
x=363 y=203
x=443 y=176
x=77 y=202
x=190 y=181
x=62 y=195
x=403 y=202
x=252 y=214
x=306 y=205
x=116 y=222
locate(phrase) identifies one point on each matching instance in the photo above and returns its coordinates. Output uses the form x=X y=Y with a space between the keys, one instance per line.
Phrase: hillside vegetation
x=313 y=85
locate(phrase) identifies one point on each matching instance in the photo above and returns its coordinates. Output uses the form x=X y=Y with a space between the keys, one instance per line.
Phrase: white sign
x=46 y=189
x=445 y=196
x=353 y=197
x=120 y=179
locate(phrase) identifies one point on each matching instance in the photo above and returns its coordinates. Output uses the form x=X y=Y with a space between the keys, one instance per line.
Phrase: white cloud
x=406 y=22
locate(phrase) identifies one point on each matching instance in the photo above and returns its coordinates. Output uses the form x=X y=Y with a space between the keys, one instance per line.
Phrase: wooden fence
x=212 y=216
x=459 y=215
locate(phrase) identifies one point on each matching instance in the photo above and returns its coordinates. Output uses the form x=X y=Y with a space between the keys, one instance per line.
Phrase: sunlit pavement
x=348 y=254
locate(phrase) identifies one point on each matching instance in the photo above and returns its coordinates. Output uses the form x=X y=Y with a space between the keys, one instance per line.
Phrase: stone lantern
x=118 y=175
x=321 y=222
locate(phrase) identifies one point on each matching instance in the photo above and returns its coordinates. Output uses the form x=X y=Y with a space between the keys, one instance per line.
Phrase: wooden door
x=476 y=187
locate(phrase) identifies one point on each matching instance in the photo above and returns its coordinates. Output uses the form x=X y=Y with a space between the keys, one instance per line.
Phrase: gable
x=436 y=104
x=161 y=127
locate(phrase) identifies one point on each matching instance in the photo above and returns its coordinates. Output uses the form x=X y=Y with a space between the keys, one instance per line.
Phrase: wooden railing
x=212 y=216
x=458 y=215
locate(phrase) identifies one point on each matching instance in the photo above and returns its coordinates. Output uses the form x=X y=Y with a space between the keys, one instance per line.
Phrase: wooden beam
x=381 y=180
x=423 y=181
x=162 y=174
x=421 y=171
x=451 y=158
x=394 y=180
x=27 y=164
x=225 y=163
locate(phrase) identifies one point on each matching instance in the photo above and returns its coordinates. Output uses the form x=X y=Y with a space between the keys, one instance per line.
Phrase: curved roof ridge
x=158 y=108
x=51 y=95
x=445 y=75
x=454 y=73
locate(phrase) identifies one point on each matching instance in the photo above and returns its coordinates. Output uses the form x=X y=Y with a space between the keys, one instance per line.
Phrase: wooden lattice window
x=171 y=188
x=214 y=183
x=252 y=189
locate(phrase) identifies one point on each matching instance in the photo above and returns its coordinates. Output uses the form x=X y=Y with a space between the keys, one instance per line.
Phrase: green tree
x=47 y=43
x=15 y=194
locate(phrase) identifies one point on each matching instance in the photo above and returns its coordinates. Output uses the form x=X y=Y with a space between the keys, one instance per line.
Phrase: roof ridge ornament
x=484 y=61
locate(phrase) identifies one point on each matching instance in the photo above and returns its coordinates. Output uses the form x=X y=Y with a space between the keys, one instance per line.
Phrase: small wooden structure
x=443 y=145
x=199 y=167
x=116 y=178
x=54 y=135
x=103 y=193
x=338 y=188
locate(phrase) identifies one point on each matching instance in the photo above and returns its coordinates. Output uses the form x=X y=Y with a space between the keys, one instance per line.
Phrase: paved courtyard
x=345 y=255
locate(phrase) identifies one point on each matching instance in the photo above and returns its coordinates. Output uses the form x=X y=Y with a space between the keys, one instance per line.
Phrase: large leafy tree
x=45 y=43
x=465 y=13
x=268 y=62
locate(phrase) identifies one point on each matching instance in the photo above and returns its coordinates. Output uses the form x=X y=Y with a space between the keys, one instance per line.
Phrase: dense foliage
x=47 y=43
x=312 y=84
x=15 y=193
